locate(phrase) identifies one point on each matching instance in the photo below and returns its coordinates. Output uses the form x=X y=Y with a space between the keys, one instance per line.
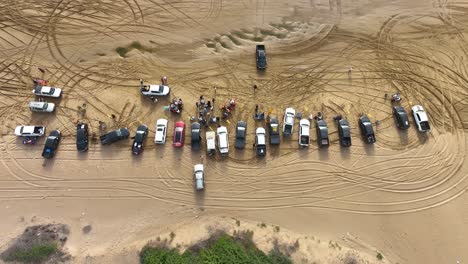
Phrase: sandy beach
x=403 y=197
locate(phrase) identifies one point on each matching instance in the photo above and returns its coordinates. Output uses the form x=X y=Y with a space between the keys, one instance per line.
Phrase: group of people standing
x=205 y=111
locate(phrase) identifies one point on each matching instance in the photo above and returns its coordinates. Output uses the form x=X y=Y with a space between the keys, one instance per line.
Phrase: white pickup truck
x=30 y=131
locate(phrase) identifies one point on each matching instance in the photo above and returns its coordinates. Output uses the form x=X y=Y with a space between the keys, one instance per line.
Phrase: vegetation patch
x=38 y=244
x=379 y=256
x=219 y=248
x=122 y=51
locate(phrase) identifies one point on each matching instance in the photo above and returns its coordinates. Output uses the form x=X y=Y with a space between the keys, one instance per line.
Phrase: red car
x=179 y=134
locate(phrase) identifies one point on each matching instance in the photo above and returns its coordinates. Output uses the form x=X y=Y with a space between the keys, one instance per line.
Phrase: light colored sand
x=404 y=197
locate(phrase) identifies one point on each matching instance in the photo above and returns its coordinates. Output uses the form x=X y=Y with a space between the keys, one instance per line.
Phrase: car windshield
x=274 y=128
x=139 y=136
x=178 y=136
x=241 y=132
x=80 y=135
x=44 y=106
x=161 y=88
x=51 y=91
x=323 y=132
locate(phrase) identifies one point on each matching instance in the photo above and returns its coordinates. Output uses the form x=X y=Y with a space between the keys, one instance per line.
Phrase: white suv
x=155 y=90
x=288 y=121
x=223 y=140
x=420 y=118
x=42 y=107
x=161 y=130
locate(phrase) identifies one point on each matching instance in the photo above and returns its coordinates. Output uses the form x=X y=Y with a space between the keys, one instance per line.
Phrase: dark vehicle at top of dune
x=367 y=130
x=260 y=55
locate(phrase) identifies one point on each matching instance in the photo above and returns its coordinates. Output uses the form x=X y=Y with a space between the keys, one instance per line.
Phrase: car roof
x=46 y=89
x=36 y=104
x=261 y=139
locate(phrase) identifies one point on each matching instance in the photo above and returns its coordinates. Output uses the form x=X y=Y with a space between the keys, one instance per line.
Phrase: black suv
x=141 y=133
x=344 y=131
x=366 y=129
x=196 y=136
x=51 y=144
x=82 y=137
x=114 y=136
x=322 y=133
x=241 y=131
x=401 y=117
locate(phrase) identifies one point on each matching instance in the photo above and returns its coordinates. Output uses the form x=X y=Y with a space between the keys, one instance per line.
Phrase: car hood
x=57 y=92
x=50 y=107
x=18 y=130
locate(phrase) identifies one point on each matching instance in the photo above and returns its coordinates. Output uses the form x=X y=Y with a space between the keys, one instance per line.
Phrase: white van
x=42 y=107
x=210 y=142
x=223 y=140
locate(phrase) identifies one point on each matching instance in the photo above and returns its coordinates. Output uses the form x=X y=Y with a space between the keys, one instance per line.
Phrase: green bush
x=35 y=254
x=121 y=51
x=151 y=255
x=136 y=45
x=223 y=250
x=379 y=256
x=277 y=257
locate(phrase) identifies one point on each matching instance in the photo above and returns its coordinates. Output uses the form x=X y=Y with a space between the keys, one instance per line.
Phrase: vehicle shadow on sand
x=345 y=152
x=369 y=149
x=323 y=154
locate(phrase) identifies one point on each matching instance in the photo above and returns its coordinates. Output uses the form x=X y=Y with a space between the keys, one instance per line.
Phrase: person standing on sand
x=350 y=70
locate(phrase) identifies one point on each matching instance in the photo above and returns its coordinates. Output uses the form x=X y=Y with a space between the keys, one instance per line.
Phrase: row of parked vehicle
x=219 y=140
